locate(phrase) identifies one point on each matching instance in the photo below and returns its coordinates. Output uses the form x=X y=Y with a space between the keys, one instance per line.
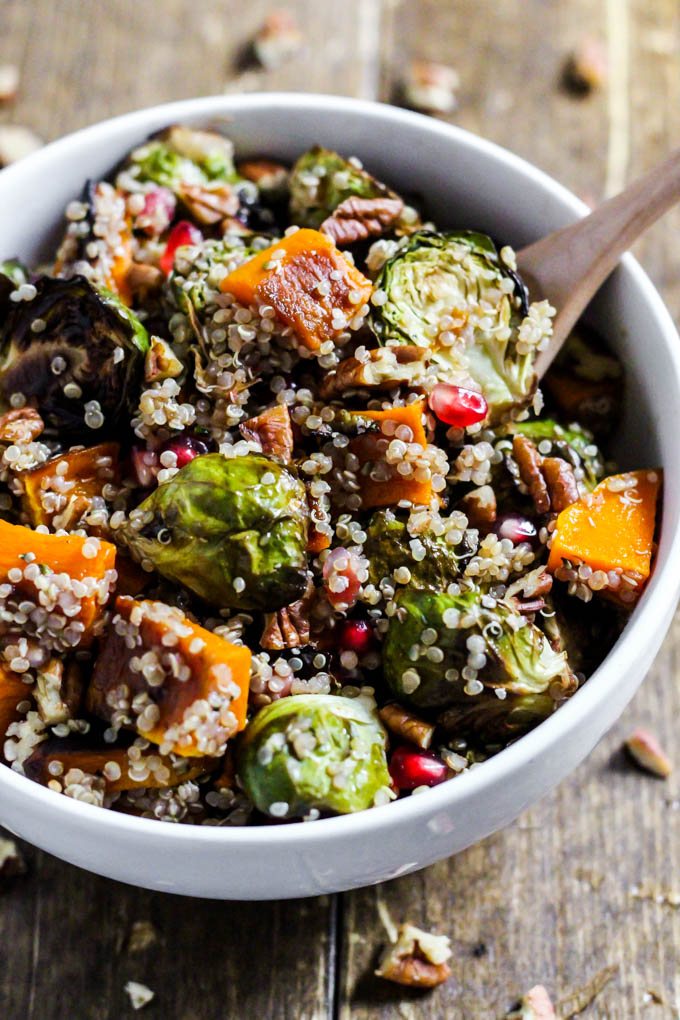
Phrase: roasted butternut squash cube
x=384 y=484
x=175 y=683
x=313 y=288
x=61 y=491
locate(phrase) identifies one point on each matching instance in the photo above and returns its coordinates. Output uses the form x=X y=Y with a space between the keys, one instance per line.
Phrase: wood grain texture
x=550 y=899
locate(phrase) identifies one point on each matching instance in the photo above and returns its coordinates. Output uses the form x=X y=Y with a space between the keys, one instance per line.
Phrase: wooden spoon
x=568 y=267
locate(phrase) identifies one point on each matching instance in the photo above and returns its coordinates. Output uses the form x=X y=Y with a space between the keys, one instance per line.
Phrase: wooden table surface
x=552 y=899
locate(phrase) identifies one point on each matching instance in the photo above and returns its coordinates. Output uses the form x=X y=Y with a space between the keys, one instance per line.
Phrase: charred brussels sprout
x=485 y=720
x=182 y=155
x=74 y=358
x=432 y=638
x=389 y=546
x=572 y=443
x=321 y=180
x=233 y=530
x=459 y=276
x=313 y=751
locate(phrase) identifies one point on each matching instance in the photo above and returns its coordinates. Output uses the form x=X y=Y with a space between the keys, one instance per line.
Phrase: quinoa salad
x=287 y=527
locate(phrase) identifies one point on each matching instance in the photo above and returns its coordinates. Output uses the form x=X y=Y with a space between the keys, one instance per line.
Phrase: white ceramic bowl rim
x=662 y=589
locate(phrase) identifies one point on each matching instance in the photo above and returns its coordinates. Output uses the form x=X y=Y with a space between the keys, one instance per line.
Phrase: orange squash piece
x=12 y=692
x=60 y=491
x=87 y=560
x=196 y=683
x=289 y=282
x=611 y=530
x=396 y=487
x=160 y=770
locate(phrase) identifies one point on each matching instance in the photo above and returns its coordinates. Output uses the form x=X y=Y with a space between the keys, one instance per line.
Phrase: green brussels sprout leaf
x=388 y=546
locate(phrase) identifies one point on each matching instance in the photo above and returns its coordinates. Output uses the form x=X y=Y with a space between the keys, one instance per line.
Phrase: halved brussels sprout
x=572 y=443
x=68 y=346
x=183 y=155
x=389 y=545
x=460 y=276
x=484 y=720
x=435 y=640
x=233 y=530
x=213 y=260
x=321 y=179
x=313 y=751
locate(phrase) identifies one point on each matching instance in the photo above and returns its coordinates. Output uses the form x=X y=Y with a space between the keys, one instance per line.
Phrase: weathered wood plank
x=550 y=899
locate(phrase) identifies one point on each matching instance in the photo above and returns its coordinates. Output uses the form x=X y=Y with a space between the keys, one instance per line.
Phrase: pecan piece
x=407 y=725
x=647 y=752
x=142 y=278
x=269 y=176
x=22 y=425
x=417 y=958
x=561 y=483
x=273 y=431
x=289 y=627
x=529 y=463
x=479 y=506
x=357 y=219
x=12 y=862
x=386 y=367
x=535 y=1005
x=209 y=204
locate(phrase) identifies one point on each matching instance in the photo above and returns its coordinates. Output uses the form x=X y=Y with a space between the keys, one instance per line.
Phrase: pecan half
x=289 y=627
x=417 y=959
x=479 y=506
x=561 y=483
x=405 y=724
x=273 y=431
x=209 y=204
x=386 y=367
x=529 y=463
x=22 y=425
x=357 y=219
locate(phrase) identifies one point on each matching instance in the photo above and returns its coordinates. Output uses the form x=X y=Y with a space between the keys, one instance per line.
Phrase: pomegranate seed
x=516 y=528
x=411 y=767
x=185 y=448
x=356 y=636
x=458 y=406
x=145 y=466
x=181 y=234
x=340 y=576
x=159 y=208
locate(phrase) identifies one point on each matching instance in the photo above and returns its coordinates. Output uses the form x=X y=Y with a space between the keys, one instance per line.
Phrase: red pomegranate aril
x=182 y=233
x=458 y=406
x=158 y=211
x=411 y=767
x=340 y=571
x=355 y=636
x=516 y=528
x=185 y=448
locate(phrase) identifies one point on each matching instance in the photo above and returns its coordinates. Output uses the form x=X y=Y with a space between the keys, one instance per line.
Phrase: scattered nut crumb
x=586 y=67
x=652 y=996
x=655 y=893
x=646 y=751
x=417 y=958
x=12 y=862
x=430 y=87
x=142 y=936
x=9 y=82
x=278 y=40
x=535 y=1005
x=592 y=878
x=16 y=142
x=139 y=994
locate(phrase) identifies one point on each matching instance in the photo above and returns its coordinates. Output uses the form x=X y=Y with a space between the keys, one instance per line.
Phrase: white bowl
x=467 y=182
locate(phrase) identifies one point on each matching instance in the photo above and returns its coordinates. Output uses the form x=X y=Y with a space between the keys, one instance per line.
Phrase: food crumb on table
x=140 y=995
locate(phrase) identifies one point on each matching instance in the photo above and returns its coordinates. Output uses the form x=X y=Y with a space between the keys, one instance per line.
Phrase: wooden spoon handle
x=569 y=266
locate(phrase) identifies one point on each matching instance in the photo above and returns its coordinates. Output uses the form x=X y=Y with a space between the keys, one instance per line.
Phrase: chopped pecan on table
x=386 y=367
x=561 y=482
x=357 y=219
x=12 y=862
x=479 y=506
x=278 y=39
x=407 y=725
x=535 y=1005
x=417 y=958
x=646 y=751
x=529 y=462
x=22 y=425
x=209 y=204
x=273 y=431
